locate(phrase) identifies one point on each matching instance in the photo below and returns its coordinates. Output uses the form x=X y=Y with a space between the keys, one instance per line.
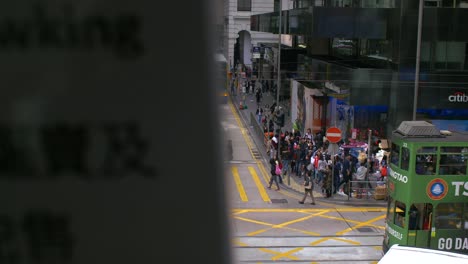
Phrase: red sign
x=333 y=134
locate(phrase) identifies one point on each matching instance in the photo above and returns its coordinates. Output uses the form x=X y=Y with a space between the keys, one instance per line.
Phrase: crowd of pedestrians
x=307 y=157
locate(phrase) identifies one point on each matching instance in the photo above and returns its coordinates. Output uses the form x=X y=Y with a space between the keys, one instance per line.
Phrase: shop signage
x=458 y=97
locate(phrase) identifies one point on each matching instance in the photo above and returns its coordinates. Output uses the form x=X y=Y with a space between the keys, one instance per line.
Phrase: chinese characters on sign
x=45 y=234
x=50 y=151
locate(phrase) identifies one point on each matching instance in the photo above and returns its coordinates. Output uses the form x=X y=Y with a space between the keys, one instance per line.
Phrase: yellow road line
x=347 y=241
x=283 y=225
x=301 y=219
x=278 y=253
x=239 y=212
x=285 y=210
x=260 y=187
x=349 y=220
x=287 y=254
x=240 y=187
x=361 y=224
x=319 y=241
x=238 y=242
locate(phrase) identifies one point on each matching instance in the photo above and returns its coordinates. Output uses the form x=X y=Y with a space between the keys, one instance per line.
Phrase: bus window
x=413 y=216
x=427 y=150
x=426 y=162
x=391 y=210
x=465 y=217
x=395 y=155
x=427 y=217
x=405 y=157
x=419 y=216
x=400 y=213
x=448 y=216
x=452 y=161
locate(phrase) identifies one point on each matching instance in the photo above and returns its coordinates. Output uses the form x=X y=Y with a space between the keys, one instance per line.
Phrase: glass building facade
x=368 y=48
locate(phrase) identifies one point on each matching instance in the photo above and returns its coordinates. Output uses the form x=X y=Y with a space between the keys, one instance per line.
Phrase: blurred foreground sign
x=91 y=137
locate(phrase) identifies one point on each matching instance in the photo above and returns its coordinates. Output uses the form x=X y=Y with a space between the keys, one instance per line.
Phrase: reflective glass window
x=426 y=160
x=400 y=214
x=405 y=158
x=395 y=155
x=244 y=5
x=453 y=160
x=391 y=210
x=449 y=216
x=465 y=217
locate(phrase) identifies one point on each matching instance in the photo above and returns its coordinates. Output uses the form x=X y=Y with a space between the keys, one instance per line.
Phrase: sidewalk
x=294 y=183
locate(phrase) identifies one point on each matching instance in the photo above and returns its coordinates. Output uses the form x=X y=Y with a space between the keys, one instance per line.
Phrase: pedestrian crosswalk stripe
x=240 y=187
x=260 y=187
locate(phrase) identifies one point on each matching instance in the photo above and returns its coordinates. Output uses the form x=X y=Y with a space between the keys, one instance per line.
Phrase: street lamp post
x=278 y=85
x=418 y=55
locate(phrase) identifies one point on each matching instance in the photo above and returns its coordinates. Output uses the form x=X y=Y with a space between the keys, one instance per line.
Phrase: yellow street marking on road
x=285 y=224
x=285 y=210
x=260 y=187
x=287 y=254
x=239 y=212
x=240 y=187
x=349 y=221
x=319 y=241
x=253 y=221
x=361 y=224
x=346 y=241
x=242 y=129
x=301 y=219
x=280 y=253
x=271 y=227
x=239 y=243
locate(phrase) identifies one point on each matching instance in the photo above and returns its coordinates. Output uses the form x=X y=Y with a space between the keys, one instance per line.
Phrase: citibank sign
x=458 y=97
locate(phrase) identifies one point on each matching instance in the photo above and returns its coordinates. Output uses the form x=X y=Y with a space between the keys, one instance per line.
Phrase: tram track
x=309 y=249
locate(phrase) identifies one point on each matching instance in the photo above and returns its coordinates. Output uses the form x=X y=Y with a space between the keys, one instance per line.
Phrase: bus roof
x=400 y=254
x=422 y=131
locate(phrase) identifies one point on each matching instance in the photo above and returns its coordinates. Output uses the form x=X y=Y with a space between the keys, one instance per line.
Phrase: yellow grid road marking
x=346 y=240
x=260 y=187
x=349 y=221
x=240 y=187
x=280 y=253
x=287 y=254
x=286 y=210
x=361 y=224
x=282 y=225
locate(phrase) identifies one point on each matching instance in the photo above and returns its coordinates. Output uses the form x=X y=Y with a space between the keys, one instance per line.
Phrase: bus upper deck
x=428 y=188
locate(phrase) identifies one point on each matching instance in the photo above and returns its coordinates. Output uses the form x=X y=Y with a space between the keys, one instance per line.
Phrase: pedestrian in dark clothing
x=346 y=172
x=327 y=181
x=258 y=96
x=308 y=188
x=274 y=177
x=336 y=174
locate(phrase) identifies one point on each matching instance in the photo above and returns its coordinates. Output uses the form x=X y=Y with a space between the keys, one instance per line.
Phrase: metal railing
x=367 y=190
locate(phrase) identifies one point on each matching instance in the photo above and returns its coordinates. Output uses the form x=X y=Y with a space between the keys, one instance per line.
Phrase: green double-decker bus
x=427 y=188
